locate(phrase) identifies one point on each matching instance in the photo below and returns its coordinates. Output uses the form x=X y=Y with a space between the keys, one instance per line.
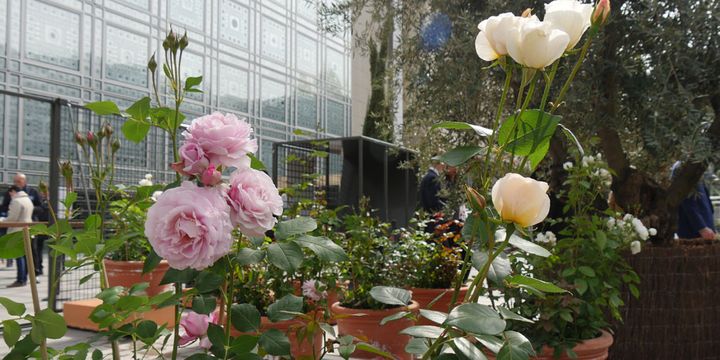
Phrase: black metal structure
x=348 y=169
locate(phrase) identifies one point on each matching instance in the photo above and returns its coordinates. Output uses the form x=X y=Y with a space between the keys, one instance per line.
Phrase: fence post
x=54 y=189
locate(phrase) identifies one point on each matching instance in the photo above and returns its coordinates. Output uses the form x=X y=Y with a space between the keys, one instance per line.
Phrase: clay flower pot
x=425 y=296
x=367 y=328
x=298 y=349
x=129 y=273
x=592 y=349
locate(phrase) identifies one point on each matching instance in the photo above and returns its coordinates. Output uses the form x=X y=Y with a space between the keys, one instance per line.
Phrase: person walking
x=19 y=180
x=40 y=213
x=19 y=210
x=696 y=213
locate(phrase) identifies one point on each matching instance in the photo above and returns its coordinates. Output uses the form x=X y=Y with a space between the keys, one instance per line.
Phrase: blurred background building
x=266 y=60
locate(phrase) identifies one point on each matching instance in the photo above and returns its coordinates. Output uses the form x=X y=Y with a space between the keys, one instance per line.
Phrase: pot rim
x=436 y=290
x=604 y=341
x=339 y=309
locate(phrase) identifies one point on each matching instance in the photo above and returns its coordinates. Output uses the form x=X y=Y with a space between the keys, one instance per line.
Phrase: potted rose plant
x=589 y=261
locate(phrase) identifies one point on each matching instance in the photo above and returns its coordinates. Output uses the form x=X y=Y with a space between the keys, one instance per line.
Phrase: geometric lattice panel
x=126 y=56
x=273 y=39
x=306 y=54
x=335 y=118
x=233 y=88
x=273 y=99
x=307 y=110
x=52 y=35
x=188 y=12
x=235 y=23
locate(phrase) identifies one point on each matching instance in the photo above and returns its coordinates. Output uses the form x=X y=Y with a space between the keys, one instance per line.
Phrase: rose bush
x=225 y=140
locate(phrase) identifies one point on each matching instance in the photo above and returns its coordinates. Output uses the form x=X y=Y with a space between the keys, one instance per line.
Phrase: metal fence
x=39 y=134
x=345 y=170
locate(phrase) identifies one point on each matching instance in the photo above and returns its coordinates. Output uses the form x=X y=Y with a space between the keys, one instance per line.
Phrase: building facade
x=266 y=60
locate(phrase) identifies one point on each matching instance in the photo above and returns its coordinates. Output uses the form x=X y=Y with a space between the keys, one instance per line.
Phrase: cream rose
x=570 y=16
x=521 y=200
x=490 y=43
x=536 y=44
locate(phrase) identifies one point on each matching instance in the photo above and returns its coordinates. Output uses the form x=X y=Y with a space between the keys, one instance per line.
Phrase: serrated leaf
x=103 y=108
x=274 y=342
x=587 y=271
x=286 y=256
x=296 y=226
x=247 y=256
x=204 y=304
x=581 y=285
x=281 y=309
x=135 y=130
x=529 y=135
x=245 y=317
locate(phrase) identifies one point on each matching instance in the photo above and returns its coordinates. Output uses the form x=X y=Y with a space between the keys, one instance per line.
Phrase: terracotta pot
x=425 y=296
x=129 y=273
x=367 y=328
x=299 y=350
x=593 y=349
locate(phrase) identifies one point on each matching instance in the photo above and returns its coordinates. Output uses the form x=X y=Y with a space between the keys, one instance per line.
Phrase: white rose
x=567 y=166
x=521 y=200
x=551 y=238
x=145 y=182
x=652 y=231
x=611 y=222
x=148 y=176
x=635 y=247
x=535 y=44
x=569 y=16
x=491 y=42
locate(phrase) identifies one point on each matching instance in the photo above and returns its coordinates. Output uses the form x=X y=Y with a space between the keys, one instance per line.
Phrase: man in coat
x=20 y=210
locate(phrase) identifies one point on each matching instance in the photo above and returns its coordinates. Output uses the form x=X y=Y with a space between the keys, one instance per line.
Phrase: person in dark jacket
x=42 y=213
x=696 y=214
x=430 y=186
x=20 y=180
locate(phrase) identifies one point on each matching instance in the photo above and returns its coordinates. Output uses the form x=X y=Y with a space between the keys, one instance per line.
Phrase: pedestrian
x=19 y=180
x=20 y=210
x=696 y=213
x=40 y=213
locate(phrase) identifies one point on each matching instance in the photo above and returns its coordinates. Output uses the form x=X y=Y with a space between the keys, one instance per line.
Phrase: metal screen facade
x=345 y=170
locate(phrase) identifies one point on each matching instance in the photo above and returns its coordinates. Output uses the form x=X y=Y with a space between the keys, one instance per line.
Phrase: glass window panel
x=306 y=9
x=36 y=128
x=235 y=23
x=188 y=12
x=52 y=35
x=273 y=100
x=126 y=56
x=307 y=54
x=233 y=89
x=273 y=39
x=266 y=153
x=334 y=69
x=335 y=118
x=307 y=110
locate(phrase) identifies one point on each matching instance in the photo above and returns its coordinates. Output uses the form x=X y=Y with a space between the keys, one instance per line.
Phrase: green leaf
x=11 y=332
x=278 y=311
x=516 y=346
x=243 y=344
x=103 y=108
x=581 y=285
x=296 y=226
x=135 y=130
x=140 y=110
x=286 y=256
x=324 y=248
x=434 y=316
x=97 y=354
x=93 y=222
x=151 y=261
x=192 y=81
x=393 y=317
x=373 y=350
x=208 y=281
x=423 y=331
x=247 y=256
x=204 y=304
x=539 y=285
x=13 y=308
x=245 y=317
x=528 y=246
x=468 y=349
x=456 y=125
x=47 y=325
x=201 y=356
x=70 y=199
x=509 y=315
x=256 y=163
x=146 y=329
x=587 y=271
x=391 y=296
x=274 y=342
x=476 y=318
x=528 y=136
x=138 y=287
x=182 y=276
x=460 y=155
x=110 y=295
x=499 y=269
x=129 y=302
x=216 y=335
x=492 y=343
x=11 y=245
x=417 y=346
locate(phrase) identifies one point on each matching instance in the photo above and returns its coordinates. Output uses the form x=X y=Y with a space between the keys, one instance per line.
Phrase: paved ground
x=21 y=294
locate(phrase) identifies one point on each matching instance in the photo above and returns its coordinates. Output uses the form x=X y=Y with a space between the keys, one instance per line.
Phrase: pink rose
x=310 y=290
x=192 y=159
x=190 y=226
x=225 y=139
x=211 y=177
x=254 y=201
x=195 y=326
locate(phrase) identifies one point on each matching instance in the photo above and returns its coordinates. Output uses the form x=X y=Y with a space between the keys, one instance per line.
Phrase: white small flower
x=598 y=156
x=551 y=238
x=652 y=231
x=148 y=176
x=567 y=166
x=620 y=223
x=145 y=182
x=611 y=222
x=540 y=238
x=120 y=187
x=635 y=247
x=156 y=195
x=628 y=217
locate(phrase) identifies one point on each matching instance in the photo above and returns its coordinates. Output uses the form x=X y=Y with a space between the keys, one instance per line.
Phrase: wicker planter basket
x=678 y=313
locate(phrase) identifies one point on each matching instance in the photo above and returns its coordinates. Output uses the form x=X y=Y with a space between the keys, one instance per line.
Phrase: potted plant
x=127 y=247
x=589 y=261
x=359 y=313
x=430 y=264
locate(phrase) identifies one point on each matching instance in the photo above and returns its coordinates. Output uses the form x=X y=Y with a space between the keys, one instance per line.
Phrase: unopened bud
x=79 y=138
x=211 y=176
x=106 y=130
x=91 y=139
x=172 y=41
x=527 y=13
x=66 y=170
x=476 y=201
x=183 y=42
x=43 y=187
x=152 y=64
x=601 y=12
x=115 y=146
